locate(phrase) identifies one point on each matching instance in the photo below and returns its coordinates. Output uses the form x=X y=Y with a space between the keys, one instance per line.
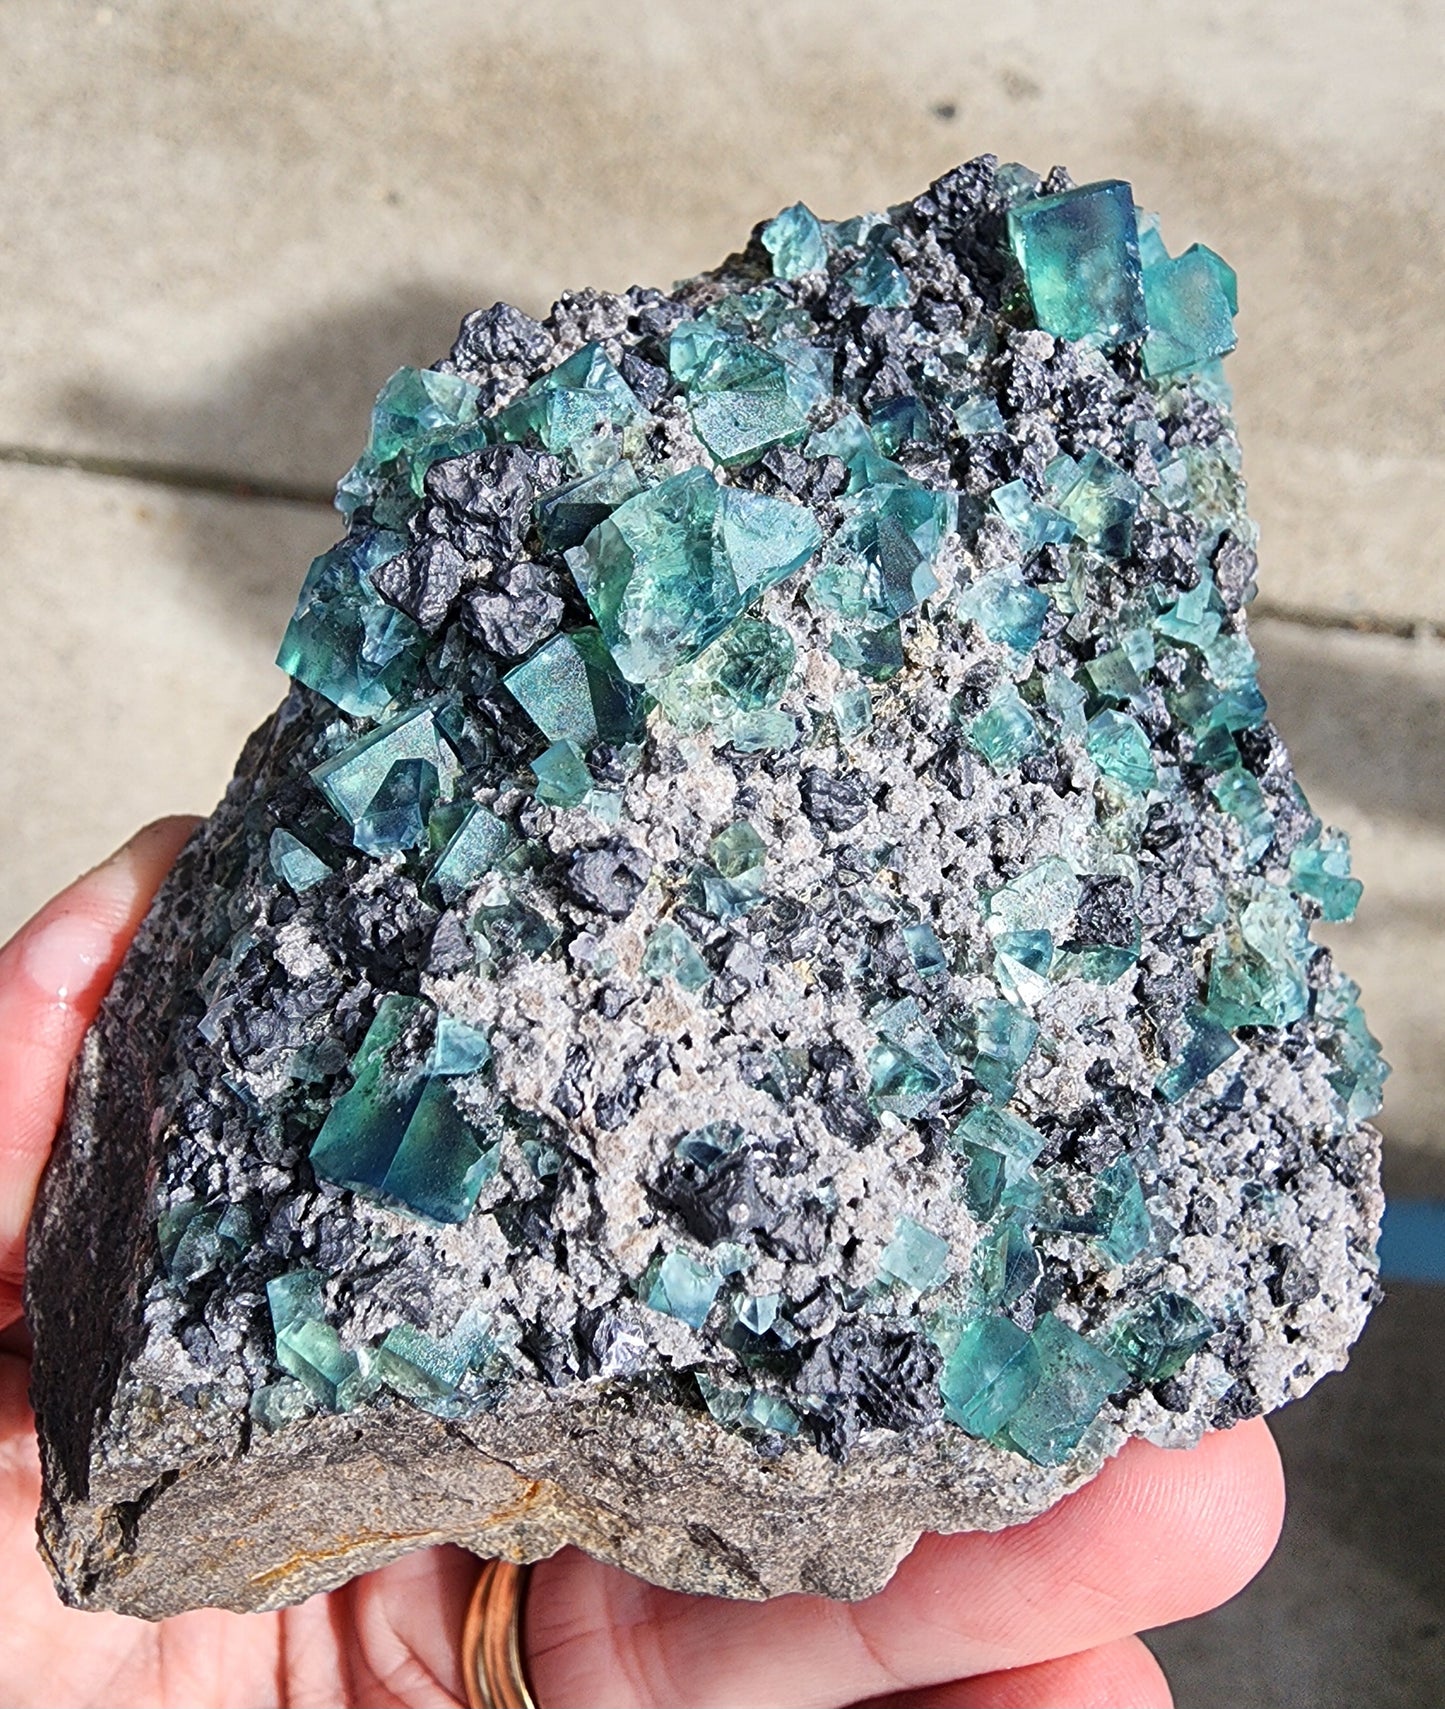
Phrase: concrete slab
x=1351 y=1610
x=139 y=627
x=221 y=228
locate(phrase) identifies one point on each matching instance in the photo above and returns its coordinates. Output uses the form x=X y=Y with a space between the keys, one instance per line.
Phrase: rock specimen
x=756 y=996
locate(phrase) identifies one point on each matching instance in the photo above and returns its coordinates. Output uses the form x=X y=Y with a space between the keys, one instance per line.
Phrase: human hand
x=1041 y=1615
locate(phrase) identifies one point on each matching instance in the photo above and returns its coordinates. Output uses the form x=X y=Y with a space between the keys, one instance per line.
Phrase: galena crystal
x=757 y=996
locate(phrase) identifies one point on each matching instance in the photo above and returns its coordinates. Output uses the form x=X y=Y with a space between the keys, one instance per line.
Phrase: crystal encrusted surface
x=757 y=996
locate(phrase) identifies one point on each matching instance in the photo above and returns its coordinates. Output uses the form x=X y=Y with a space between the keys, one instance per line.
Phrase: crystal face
x=1080 y=255
x=774 y=911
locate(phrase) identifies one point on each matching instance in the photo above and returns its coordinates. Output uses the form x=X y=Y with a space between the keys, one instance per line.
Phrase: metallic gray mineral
x=756 y=997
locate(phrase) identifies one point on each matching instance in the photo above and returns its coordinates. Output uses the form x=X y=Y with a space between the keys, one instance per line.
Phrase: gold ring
x=492 y=1668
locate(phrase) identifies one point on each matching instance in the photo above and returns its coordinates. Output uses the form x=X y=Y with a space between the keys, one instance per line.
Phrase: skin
x=1044 y=1614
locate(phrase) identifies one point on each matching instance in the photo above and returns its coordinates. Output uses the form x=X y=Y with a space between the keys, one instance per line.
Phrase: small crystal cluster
x=775 y=885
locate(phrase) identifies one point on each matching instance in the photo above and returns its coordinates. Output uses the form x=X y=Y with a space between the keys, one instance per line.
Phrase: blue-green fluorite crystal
x=400 y=1135
x=915 y=1255
x=670 y=569
x=571 y=687
x=1080 y=256
x=796 y=242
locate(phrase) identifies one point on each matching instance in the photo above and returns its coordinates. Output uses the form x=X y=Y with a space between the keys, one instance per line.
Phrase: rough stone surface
x=183 y=1464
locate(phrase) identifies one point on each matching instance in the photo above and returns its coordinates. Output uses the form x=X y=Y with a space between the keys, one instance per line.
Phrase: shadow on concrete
x=1363 y=718
x=1351 y=1609
x=301 y=404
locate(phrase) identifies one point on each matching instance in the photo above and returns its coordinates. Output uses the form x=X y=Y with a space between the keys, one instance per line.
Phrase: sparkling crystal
x=924 y=950
x=671 y=954
x=999 y=1148
x=1075 y=1379
x=344 y=640
x=1042 y=898
x=794 y=239
x=1319 y=868
x=670 y=569
x=1120 y=749
x=738 y=852
x=474 y=849
x=1021 y=965
x=1006 y=608
x=1207 y=1046
x=1006 y=1264
x=306 y=1345
x=991 y=1369
x=915 y=1255
x=1257 y=972
x=396 y=817
x=418 y=1367
x=294 y=863
x=1003 y=1039
x=1156 y=1339
x=569 y=513
x=1034 y=525
x=853 y=712
x=1124 y=1226
x=564 y=409
x=1098 y=498
x=352 y=779
x=571 y=687
x=1004 y=732
x=511 y=929
x=743 y=399
x=682 y=1287
x=1190 y=304
x=907 y=1068
x=1080 y=256
x=1239 y=794
x=876 y=278
x=563 y=779
x=400 y=1136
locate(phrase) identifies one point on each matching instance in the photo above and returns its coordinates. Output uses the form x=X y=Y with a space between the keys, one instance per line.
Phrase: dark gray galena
x=755 y=998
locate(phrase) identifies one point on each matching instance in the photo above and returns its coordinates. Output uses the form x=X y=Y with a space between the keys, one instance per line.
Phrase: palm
x=1043 y=1614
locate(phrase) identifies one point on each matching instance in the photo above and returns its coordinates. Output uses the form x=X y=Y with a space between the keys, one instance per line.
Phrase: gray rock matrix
x=167 y=1486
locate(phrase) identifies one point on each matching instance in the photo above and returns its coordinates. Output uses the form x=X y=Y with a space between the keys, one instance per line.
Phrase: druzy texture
x=756 y=997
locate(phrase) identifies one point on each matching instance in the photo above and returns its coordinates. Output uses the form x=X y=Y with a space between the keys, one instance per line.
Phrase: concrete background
x=221 y=228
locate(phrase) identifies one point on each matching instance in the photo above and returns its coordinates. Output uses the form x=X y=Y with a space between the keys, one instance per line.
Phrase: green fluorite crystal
x=1207 y=1046
x=1120 y=749
x=682 y=1287
x=907 y=1068
x=293 y=862
x=352 y=779
x=474 y=848
x=307 y=1346
x=1156 y=1339
x=1190 y=304
x=563 y=779
x=401 y=1135
x=571 y=688
x=671 y=954
x=991 y=1369
x=565 y=408
x=796 y=242
x=1075 y=1379
x=1258 y=973
x=1319 y=868
x=1007 y=609
x=344 y=640
x=670 y=569
x=915 y=1255
x=1080 y=256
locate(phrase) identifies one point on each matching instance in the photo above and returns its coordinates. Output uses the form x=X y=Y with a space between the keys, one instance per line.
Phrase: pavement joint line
x=226 y=484
x=220 y=481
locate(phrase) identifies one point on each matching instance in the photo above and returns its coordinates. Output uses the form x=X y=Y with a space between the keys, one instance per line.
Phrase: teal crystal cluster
x=774 y=905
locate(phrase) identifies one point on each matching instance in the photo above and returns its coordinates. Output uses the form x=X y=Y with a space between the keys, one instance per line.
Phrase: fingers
x=1121 y=1675
x=1157 y=1536
x=53 y=974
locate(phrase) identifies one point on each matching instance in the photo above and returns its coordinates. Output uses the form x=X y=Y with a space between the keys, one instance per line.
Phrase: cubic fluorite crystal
x=756 y=998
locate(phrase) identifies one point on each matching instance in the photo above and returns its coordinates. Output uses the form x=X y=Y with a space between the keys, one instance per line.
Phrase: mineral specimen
x=756 y=997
